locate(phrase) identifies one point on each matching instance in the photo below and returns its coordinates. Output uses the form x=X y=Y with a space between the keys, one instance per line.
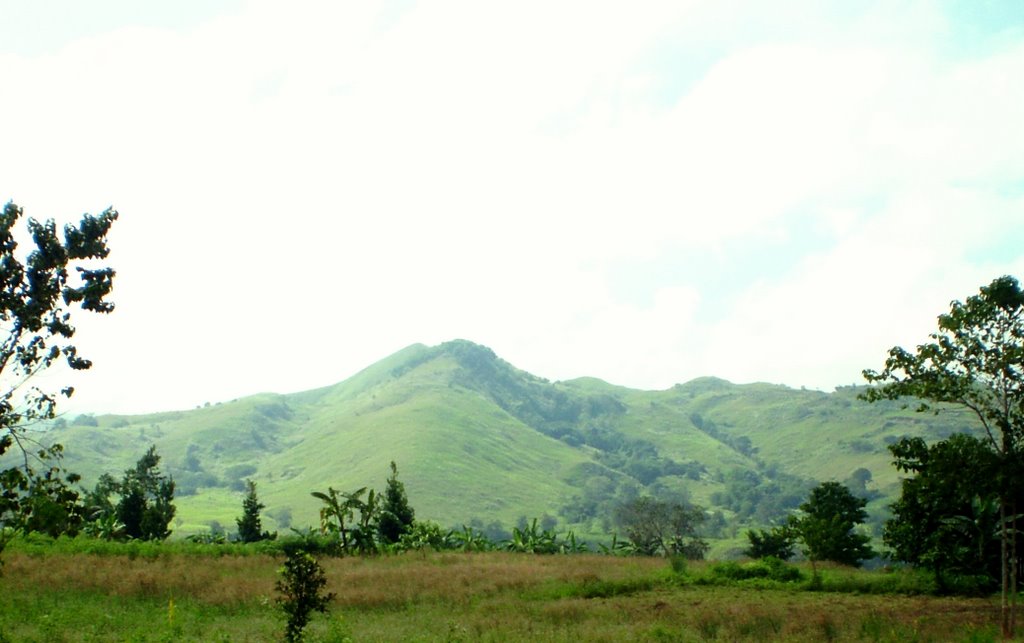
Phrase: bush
x=309 y=541
x=301 y=585
x=777 y=543
x=769 y=568
x=425 y=534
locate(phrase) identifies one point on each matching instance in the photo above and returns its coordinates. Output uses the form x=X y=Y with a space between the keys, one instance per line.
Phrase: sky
x=644 y=192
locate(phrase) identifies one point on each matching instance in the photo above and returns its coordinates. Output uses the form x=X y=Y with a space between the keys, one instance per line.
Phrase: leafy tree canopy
x=776 y=543
x=975 y=360
x=145 y=507
x=37 y=295
x=826 y=525
x=946 y=518
x=659 y=527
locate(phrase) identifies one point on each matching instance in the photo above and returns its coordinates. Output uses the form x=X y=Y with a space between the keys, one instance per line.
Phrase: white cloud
x=308 y=187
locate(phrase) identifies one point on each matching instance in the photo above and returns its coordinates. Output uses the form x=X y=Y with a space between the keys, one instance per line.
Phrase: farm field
x=227 y=594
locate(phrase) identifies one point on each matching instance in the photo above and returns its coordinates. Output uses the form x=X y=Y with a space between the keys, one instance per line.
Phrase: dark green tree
x=777 y=543
x=396 y=515
x=975 y=361
x=301 y=587
x=249 y=527
x=826 y=524
x=37 y=296
x=146 y=506
x=947 y=516
x=658 y=527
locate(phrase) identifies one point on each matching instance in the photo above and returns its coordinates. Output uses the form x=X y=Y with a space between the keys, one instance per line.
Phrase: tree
x=301 y=583
x=975 y=360
x=858 y=483
x=658 y=527
x=396 y=516
x=37 y=294
x=145 y=508
x=947 y=516
x=249 y=524
x=826 y=524
x=777 y=543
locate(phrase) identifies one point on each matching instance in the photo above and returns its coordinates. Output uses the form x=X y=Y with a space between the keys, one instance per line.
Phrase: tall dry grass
x=214 y=581
x=453 y=597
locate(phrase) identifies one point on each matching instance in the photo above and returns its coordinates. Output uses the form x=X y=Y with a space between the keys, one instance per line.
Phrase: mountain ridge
x=476 y=438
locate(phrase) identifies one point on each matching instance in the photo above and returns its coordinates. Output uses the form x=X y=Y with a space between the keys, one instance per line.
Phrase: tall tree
x=659 y=527
x=146 y=506
x=249 y=524
x=947 y=516
x=975 y=360
x=396 y=515
x=826 y=525
x=37 y=295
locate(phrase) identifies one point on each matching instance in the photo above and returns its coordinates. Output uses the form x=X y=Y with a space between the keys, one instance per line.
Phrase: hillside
x=478 y=440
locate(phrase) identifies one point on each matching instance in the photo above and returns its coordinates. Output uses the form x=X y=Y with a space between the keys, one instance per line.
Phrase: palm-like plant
x=105 y=525
x=618 y=547
x=470 y=539
x=340 y=509
x=335 y=512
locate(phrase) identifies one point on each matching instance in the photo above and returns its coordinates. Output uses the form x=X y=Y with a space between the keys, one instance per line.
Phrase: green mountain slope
x=476 y=438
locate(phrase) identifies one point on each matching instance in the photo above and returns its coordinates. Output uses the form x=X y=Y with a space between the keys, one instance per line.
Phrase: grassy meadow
x=188 y=592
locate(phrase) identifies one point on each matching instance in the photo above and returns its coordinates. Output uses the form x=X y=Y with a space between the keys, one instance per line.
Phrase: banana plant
x=336 y=511
x=983 y=525
x=572 y=546
x=338 y=516
x=364 y=532
x=470 y=539
x=532 y=540
x=106 y=526
x=617 y=547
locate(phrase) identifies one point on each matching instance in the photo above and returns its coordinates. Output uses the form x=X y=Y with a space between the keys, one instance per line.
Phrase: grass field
x=195 y=594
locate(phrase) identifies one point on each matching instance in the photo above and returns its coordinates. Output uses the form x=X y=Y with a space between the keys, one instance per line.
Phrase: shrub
x=301 y=584
x=769 y=568
x=425 y=534
x=777 y=543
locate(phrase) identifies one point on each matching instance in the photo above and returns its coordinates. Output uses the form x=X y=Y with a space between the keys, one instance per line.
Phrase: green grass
x=59 y=594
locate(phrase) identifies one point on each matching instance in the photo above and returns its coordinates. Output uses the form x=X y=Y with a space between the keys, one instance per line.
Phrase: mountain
x=478 y=439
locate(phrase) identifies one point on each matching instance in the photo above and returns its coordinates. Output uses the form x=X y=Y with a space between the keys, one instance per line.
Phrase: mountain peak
x=466 y=351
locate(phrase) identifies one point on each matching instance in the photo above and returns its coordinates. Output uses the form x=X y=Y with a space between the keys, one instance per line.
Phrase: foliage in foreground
x=301 y=587
x=37 y=295
x=947 y=515
x=974 y=361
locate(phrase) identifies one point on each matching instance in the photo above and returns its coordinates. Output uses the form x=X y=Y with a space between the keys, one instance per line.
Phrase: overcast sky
x=644 y=192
